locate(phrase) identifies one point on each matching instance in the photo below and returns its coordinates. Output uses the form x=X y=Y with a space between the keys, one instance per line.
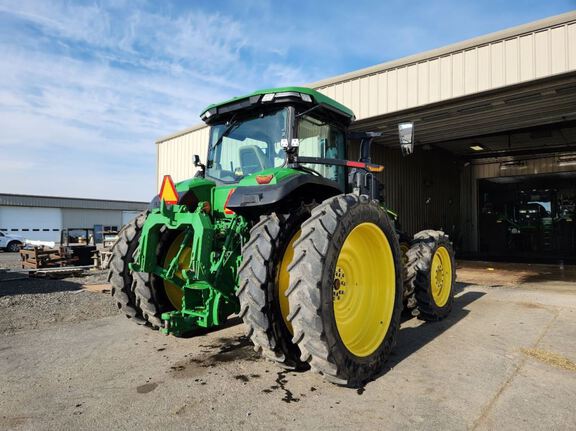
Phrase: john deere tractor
x=280 y=228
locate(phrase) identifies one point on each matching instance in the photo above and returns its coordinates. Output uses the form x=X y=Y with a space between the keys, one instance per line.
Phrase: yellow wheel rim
x=173 y=292
x=283 y=281
x=364 y=289
x=441 y=276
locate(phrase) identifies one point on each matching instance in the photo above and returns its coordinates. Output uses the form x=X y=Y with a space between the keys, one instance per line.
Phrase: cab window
x=319 y=139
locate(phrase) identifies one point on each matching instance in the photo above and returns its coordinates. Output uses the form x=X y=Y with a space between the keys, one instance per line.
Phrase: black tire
x=409 y=301
x=14 y=246
x=422 y=250
x=258 y=290
x=149 y=289
x=146 y=300
x=120 y=276
x=313 y=284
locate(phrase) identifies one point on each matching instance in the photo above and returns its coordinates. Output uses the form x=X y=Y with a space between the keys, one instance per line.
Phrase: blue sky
x=87 y=86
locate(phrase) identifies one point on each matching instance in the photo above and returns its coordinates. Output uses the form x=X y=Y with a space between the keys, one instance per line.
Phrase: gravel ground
x=9 y=260
x=32 y=303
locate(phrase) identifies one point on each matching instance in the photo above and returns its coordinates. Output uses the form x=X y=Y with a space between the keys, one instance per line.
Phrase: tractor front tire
x=263 y=281
x=120 y=275
x=431 y=274
x=346 y=288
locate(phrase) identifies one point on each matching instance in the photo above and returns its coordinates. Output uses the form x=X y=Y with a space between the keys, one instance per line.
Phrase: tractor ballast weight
x=281 y=228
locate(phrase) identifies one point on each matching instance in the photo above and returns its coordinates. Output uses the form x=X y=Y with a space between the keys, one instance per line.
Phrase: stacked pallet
x=39 y=257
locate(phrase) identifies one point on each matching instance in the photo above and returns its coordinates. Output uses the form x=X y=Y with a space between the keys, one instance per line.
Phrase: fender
x=297 y=186
x=190 y=192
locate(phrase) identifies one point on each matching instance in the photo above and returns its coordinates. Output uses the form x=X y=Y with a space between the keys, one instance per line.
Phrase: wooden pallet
x=57 y=273
x=39 y=257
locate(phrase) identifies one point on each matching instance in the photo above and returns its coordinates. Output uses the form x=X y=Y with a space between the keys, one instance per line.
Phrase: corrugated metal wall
x=176 y=155
x=491 y=169
x=81 y=218
x=422 y=188
x=533 y=55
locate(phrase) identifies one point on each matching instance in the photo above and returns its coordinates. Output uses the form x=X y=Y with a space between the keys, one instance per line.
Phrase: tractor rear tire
x=263 y=280
x=431 y=274
x=346 y=288
x=120 y=276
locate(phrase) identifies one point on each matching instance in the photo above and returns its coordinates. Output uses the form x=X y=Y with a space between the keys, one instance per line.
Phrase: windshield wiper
x=231 y=126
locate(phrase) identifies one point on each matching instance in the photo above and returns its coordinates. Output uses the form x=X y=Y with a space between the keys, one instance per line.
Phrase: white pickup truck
x=10 y=243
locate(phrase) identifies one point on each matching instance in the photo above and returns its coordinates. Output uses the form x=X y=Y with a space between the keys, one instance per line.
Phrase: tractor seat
x=252 y=159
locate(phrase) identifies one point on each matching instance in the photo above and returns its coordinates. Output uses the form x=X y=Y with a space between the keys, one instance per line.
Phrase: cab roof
x=258 y=96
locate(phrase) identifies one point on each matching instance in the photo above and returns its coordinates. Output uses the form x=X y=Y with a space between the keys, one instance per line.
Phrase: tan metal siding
x=521 y=58
x=175 y=156
x=571 y=48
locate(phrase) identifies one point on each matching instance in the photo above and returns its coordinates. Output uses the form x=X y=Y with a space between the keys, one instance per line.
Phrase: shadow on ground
x=411 y=339
x=232 y=321
x=30 y=286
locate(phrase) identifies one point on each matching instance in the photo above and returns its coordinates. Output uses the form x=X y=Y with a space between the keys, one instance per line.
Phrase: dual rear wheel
x=325 y=289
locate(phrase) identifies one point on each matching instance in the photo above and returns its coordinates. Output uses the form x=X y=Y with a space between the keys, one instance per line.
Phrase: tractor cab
x=272 y=129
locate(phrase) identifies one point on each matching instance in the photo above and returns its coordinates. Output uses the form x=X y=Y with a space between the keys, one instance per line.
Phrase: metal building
x=43 y=217
x=495 y=118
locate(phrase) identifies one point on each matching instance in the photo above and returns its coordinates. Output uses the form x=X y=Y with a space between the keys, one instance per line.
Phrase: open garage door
x=532 y=216
x=40 y=224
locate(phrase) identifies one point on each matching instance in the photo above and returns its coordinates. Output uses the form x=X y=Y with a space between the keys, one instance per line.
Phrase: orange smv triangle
x=168 y=191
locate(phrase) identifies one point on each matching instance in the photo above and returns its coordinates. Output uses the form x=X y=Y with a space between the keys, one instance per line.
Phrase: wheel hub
x=441 y=276
x=339 y=288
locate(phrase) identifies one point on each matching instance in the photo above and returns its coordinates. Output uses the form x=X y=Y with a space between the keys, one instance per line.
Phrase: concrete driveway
x=504 y=359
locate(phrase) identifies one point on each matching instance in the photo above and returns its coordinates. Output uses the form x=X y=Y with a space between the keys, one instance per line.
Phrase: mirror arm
x=200 y=165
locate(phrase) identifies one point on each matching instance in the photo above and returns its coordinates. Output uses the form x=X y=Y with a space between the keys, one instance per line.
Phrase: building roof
x=8 y=199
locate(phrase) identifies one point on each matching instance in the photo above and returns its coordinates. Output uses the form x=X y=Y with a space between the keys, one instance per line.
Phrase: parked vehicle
x=11 y=243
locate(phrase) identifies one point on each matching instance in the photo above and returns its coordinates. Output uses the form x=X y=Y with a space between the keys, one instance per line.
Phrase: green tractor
x=281 y=229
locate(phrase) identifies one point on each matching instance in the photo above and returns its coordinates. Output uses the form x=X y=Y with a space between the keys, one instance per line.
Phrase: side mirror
x=406 y=135
x=199 y=164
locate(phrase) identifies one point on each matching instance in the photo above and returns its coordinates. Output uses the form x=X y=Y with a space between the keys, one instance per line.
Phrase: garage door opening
x=530 y=218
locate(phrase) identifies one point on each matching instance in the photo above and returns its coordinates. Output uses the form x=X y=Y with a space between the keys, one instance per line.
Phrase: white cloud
x=83 y=91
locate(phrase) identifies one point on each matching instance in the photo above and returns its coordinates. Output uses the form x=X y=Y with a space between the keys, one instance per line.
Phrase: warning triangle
x=168 y=191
